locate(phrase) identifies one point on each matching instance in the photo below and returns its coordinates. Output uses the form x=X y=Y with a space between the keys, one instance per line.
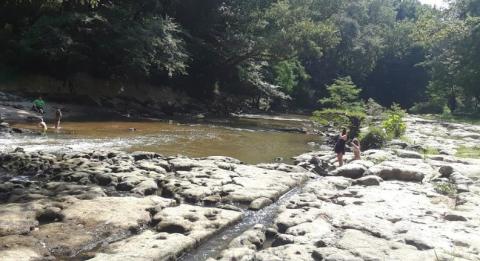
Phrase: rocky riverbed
x=398 y=203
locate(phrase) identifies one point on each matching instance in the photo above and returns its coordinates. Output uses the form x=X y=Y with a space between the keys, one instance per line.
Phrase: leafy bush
x=341 y=118
x=375 y=138
x=447 y=189
x=394 y=125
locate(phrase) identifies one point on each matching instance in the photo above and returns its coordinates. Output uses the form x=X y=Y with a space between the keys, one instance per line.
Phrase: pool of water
x=250 y=140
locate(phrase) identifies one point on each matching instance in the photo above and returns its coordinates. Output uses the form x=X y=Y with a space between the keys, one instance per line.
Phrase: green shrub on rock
x=374 y=138
x=394 y=124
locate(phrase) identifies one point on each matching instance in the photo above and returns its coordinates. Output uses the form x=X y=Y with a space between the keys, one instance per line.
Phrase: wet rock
x=260 y=203
x=143 y=155
x=252 y=239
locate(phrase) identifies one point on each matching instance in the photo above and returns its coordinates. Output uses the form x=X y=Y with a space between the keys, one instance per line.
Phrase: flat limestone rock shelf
x=104 y=205
x=396 y=204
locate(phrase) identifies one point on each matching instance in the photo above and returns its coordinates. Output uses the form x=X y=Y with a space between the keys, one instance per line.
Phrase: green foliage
x=374 y=138
x=393 y=51
x=468 y=152
x=393 y=124
x=288 y=75
x=341 y=118
x=447 y=189
x=343 y=94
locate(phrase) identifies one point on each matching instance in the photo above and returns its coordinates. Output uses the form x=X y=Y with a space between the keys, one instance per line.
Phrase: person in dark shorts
x=340 y=146
x=58 y=118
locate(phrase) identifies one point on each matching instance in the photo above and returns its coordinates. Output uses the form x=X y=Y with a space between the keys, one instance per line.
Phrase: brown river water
x=250 y=140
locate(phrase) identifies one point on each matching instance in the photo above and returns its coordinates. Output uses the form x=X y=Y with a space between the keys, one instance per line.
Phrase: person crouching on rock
x=340 y=146
x=43 y=126
x=38 y=105
x=356 y=149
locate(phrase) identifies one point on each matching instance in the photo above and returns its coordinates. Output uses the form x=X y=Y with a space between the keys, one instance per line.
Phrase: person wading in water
x=340 y=146
x=58 y=118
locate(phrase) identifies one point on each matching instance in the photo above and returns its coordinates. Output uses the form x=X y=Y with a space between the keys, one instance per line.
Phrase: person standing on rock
x=340 y=146
x=58 y=118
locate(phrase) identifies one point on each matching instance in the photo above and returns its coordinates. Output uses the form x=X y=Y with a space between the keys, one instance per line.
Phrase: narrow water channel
x=213 y=247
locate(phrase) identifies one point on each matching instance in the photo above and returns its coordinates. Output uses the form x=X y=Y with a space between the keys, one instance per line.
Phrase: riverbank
x=395 y=204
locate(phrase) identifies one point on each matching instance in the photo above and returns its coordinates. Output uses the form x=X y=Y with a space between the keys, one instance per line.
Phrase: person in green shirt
x=39 y=105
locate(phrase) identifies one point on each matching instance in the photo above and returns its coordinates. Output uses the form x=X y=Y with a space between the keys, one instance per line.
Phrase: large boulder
x=391 y=170
x=353 y=170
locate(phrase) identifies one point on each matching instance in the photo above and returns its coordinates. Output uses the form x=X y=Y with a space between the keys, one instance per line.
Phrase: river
x=253 y=139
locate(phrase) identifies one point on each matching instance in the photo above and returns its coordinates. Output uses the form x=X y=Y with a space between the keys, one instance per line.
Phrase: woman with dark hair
x=340 y=146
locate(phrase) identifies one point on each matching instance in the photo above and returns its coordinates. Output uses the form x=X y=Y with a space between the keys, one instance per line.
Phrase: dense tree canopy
x=394 y=50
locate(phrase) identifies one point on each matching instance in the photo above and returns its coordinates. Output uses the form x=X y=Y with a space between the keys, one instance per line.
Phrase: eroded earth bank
x=399 y=203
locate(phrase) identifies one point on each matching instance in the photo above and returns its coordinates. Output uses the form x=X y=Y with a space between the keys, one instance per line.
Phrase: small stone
x=454 y=217
x=370 y=180
x=260 y=203
x=446 y=171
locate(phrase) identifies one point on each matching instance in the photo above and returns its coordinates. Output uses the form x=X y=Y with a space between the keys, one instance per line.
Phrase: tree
x=343 y=94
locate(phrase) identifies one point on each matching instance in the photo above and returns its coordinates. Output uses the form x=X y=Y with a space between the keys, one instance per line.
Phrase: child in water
x=43 y=126
x=356 y=149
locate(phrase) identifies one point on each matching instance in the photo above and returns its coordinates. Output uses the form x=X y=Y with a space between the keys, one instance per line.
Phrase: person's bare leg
x=340 y=159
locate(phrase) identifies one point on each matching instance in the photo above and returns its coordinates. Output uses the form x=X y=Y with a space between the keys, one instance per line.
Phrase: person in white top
x=43 y=126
